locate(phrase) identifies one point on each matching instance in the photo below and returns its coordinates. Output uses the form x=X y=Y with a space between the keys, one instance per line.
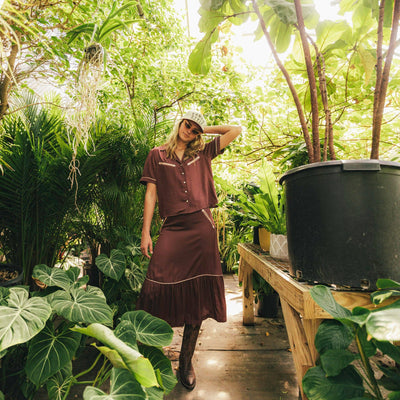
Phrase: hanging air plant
x=90 y=73
x=94 y=54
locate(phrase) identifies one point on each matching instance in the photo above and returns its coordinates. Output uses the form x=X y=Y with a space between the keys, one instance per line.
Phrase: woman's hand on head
x=146 y=245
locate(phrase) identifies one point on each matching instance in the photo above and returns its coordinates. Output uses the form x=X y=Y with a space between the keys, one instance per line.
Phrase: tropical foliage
x=349 y=372
x=49 y=327
x=334 y=73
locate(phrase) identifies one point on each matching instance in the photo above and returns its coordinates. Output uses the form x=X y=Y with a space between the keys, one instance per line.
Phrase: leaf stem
x=368 y=369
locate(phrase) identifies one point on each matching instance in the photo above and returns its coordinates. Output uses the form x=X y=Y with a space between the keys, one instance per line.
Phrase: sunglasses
x=195 y=131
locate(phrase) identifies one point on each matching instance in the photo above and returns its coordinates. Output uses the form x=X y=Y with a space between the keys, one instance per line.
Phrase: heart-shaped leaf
x=139 y=366
x=79 y=305
x=160 y=362
x=114 y=266
x=52 y=276
x=23 y=318
x=149 y=330
x=123 y=387
x=57 y=385
x=49 y=352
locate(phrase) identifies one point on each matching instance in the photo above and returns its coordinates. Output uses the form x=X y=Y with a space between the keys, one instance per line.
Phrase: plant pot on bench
x=343 y=222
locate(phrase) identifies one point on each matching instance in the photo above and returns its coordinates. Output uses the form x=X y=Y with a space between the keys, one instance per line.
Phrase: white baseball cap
x=196 y=117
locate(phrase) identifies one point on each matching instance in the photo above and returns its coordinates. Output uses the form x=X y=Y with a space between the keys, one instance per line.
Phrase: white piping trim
x=191 y=162
x=168 y=164
x=184 y=280
x=208 y=217
x=148 y=177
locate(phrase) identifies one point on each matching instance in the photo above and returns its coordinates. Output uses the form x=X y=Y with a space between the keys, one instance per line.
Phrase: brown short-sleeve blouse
x=182 y=186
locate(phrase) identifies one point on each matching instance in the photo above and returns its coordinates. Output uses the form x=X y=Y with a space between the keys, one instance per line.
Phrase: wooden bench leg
x=302 y=357
x=310 y=328
x=246 y=277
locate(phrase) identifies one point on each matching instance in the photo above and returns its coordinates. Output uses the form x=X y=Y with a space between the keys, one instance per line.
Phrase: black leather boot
x=186 y=371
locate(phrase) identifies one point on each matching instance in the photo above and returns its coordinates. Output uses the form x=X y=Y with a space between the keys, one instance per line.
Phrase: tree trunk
x=311 y=81
x=8 y=79
x=382 y=83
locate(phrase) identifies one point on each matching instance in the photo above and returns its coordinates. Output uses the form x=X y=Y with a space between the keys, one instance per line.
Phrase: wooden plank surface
x=297 y=294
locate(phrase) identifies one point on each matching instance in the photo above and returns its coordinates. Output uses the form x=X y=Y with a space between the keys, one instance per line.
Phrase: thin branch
x=285 y=73
x=311 y=82
x=377 y=121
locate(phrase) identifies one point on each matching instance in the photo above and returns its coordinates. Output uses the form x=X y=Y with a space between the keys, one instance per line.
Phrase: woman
x=184 y=283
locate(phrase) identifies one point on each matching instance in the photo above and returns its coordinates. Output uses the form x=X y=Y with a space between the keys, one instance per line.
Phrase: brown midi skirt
x=184 y=282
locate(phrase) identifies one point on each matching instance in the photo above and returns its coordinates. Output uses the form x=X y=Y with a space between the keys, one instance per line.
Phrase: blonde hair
x=192 y=148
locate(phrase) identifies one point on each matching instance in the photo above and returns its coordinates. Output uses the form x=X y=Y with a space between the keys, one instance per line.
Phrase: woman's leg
x=186 y=371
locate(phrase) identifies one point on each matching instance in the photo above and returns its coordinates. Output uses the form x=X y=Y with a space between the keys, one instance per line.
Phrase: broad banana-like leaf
x=52 y=276
x=323 y=297
x=1 y=395
x=347 y=385
x=335 y=360
x=23 y=318
x=50 y=351
x=123 y=387
x=139 y=366
x=161 y=363
x=200 y=58
x=385 y=324
x=149 y=329
x=57 y=385
x=114 y=266
x=79 y=305
x=332 y=334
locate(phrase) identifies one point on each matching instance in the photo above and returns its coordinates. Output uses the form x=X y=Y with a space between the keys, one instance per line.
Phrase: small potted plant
x=266 y=207
x=265 y=297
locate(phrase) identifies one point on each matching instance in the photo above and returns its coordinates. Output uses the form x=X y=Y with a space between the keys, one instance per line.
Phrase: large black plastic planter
x=343 y=222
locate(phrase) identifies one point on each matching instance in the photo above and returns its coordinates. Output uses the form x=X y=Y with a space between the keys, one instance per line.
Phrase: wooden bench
x=302 y=315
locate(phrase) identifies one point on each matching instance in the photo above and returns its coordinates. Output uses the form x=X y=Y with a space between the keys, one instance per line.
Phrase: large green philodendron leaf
x=52 y=276
x=347 y=385
x=1 y=395
x=139 y=366
x=126 y=331
x=323 y=297
x=200 y=58
x=49 y=352
x=23 y=318
x=57 y=384
x=123 y=387
x=160 y=362
x=332 y=334
x=114 y=266
x=385 y=324
x=335 y=360
x=149 y=329
x=79 y=305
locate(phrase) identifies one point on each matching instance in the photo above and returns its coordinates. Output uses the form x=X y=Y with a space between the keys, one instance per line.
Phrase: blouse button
x=183 y=173
x=185 y=191
x=184 y=182
x=187 y=201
